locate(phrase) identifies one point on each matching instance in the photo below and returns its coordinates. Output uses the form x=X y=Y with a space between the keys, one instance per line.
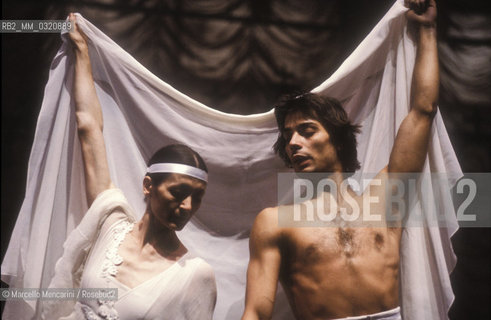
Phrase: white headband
x=178 y=168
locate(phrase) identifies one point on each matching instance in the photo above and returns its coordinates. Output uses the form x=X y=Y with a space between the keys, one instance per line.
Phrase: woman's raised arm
x=89 y=118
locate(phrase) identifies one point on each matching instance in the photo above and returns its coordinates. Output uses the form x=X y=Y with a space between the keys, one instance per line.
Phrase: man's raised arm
x=264 y=266
x=89 y=118
x=411 y=144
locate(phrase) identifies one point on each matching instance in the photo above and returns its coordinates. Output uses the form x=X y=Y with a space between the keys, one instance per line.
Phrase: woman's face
x=174 y=201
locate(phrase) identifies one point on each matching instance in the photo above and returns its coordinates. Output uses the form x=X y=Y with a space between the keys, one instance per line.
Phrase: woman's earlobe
x=147 y=186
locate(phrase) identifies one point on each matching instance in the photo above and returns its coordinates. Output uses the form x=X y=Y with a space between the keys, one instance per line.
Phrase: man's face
x=308 y=145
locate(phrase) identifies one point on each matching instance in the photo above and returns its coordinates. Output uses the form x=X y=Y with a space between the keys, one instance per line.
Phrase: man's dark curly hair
x=329 y=112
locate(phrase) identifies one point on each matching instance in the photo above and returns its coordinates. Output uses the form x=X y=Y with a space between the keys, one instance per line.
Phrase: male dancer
x=343 y=271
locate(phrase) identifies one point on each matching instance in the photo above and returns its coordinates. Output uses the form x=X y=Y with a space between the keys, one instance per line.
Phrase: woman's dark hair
x=329 y=112
x=175 y=153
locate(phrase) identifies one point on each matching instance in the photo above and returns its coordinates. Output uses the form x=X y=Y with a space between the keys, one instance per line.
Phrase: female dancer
x=155 y=275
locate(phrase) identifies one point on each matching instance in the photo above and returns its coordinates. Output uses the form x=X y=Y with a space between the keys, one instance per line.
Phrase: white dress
x=185 y=290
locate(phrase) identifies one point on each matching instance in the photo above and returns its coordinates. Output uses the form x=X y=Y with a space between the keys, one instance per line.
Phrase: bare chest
x=310 y=246
x=338 y=270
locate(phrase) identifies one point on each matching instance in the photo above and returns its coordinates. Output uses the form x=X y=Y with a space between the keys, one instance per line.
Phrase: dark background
x=239 y=57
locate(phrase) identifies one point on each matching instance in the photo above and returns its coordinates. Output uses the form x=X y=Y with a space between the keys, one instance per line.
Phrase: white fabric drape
x=142 y=113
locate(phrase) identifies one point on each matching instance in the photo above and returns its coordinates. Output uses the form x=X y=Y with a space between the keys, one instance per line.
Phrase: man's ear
x=147 y=186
